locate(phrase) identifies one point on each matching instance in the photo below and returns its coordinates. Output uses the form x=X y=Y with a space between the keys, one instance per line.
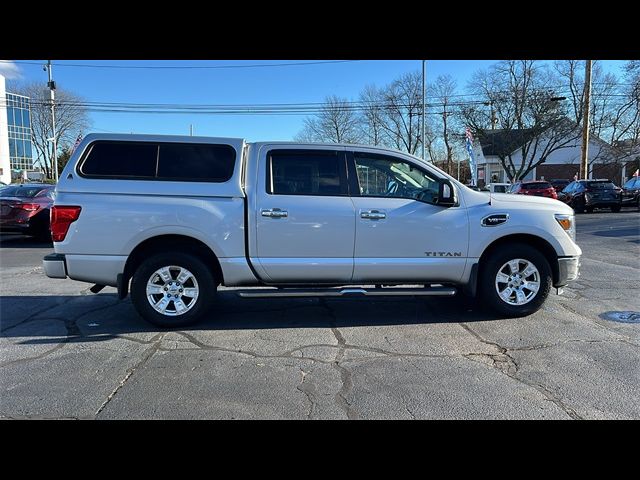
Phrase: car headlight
x=567 y=222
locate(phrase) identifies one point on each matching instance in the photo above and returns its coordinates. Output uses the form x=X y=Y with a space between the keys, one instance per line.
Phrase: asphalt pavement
x=67 y=353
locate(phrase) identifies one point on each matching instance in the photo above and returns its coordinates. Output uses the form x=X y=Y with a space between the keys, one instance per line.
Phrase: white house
x=561 y=163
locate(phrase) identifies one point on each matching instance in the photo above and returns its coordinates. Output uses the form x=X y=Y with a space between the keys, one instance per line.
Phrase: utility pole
x=424 y=92
x=584 y=163
x=52 y=88
x=191 y=129
x=445 y=134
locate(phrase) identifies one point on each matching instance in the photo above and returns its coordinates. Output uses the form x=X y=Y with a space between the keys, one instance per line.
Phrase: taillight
x=61 y=218
x=29 y=207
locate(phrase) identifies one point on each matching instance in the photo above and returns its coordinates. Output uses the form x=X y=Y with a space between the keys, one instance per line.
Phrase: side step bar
x=344 y=292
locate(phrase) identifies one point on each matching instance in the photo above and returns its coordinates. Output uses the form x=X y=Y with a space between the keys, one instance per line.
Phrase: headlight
x=567 y=223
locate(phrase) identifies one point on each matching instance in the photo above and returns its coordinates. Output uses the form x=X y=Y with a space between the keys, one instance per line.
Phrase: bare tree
x=442 y=90
x=402 y=101
x=531 y=125
x=71 y=120
x=372 y=116
x=337 y=122
x=614 y=114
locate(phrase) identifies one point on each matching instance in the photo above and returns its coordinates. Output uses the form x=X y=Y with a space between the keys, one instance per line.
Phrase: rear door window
x=321 y=173
x=601 y=185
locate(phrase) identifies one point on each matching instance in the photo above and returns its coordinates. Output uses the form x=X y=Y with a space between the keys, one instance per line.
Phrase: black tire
x=588 y=209
x=491 y=267
x=205 y=283
x=616 y=208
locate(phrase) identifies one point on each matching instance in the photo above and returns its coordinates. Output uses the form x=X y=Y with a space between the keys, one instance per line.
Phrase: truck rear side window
x=206 y=163
x=126 y=159
x=320 y=173
x=159 y=161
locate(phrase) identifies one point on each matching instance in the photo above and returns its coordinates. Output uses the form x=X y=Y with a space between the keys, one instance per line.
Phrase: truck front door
x=402 y=235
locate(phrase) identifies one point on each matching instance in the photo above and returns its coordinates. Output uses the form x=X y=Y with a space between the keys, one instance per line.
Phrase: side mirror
x=446 y=194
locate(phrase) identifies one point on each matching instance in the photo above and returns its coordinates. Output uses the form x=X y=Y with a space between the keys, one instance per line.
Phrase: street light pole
x=424 y=89
x=52 y=87
x=584 y=163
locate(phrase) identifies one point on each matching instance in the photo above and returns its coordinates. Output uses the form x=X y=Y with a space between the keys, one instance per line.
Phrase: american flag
x=472 y=160
x=75 y=145
x=468 y=135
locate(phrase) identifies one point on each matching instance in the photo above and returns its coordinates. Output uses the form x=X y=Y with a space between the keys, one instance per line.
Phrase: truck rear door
x=303 y=217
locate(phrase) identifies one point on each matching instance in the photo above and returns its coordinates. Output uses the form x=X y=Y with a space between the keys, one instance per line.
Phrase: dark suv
x=559 y=184
x=631 y=193
x=585 y=195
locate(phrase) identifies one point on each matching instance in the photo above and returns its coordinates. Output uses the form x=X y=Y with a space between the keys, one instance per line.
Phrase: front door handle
x=274 y=213
x=373 y=215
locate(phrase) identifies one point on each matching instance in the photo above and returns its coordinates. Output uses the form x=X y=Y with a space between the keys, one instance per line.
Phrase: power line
x=187 y=67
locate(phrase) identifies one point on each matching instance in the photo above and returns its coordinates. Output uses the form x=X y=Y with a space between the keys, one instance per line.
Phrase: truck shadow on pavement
x=94 y=318
x=9 y=240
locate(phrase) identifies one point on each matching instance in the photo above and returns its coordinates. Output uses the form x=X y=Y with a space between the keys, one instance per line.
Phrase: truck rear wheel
x=172 y=289
x=515 y=280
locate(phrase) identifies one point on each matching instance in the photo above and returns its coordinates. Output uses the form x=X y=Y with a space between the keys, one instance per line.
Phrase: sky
x=283 y=84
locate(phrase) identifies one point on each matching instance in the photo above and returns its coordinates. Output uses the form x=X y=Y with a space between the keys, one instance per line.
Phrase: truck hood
x=507 y=200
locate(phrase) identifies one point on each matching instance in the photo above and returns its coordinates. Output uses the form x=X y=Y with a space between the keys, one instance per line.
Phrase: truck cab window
x=321 y=173
x=380 y=176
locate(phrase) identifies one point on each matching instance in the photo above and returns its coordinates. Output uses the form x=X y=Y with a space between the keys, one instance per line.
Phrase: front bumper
x=568 y=270
x=55 y=265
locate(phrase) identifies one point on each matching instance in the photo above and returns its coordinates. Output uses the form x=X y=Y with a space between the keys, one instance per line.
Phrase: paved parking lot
x=66 y=353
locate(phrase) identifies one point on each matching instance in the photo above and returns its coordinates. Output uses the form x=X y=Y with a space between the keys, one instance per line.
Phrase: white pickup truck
x=170 y=218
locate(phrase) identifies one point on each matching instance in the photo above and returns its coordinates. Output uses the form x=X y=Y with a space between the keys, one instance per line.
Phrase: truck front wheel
x=172 y=289
x=515 y=280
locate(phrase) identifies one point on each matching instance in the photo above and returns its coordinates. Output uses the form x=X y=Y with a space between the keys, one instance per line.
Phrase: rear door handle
x=274 y=213
x=373 y=215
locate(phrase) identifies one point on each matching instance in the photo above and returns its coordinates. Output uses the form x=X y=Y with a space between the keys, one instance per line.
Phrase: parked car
x=497 y=187
x=25 y=208
x=587 y=195
x=559 y=184
x=169 y=219
x=538 y=188
x=631 y=193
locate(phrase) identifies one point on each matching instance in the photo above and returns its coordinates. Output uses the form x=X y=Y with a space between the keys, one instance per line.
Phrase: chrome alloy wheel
x=172 y=290
x=518 y=282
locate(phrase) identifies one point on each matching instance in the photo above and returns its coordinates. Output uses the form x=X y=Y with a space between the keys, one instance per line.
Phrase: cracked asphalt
x=67 y=353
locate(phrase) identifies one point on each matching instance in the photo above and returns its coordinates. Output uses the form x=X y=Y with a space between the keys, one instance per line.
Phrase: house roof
x=496 y=142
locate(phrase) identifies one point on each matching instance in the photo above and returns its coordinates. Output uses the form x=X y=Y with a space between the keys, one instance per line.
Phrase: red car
x=538 y=188
x=25 y=209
